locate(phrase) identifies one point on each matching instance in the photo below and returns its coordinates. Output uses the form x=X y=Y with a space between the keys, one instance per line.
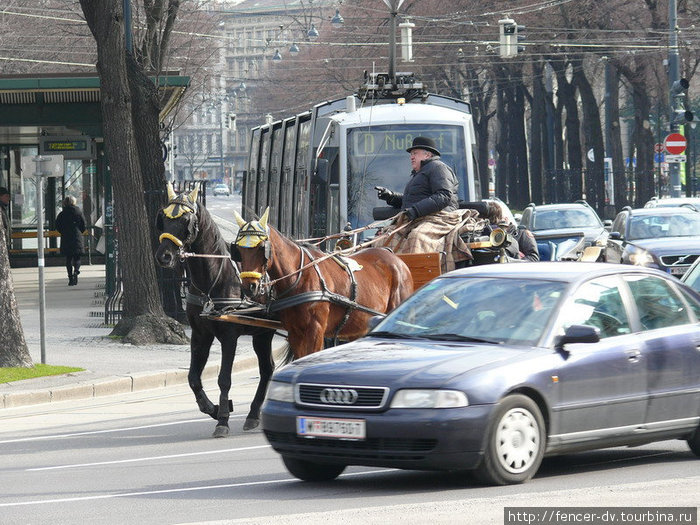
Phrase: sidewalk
x=75 y=335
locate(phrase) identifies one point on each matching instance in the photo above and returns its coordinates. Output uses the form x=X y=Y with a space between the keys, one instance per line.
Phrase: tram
x=317 y=170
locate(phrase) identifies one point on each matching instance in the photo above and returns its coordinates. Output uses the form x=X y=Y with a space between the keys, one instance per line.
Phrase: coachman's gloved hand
x=384 y=193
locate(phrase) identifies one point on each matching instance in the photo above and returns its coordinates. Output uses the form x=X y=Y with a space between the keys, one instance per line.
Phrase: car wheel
x=515 y=442
x=694 y=441
x=310 y=471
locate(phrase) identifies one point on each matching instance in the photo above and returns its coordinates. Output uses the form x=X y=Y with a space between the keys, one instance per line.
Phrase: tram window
x=286 y=188
x=301 y=188
x=275 y=167
x=263 y=173
x=252 y=177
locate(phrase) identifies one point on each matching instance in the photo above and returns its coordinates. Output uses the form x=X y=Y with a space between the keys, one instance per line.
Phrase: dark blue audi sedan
x=491 y=368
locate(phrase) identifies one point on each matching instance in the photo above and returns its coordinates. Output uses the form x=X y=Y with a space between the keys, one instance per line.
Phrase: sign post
x=46 y=166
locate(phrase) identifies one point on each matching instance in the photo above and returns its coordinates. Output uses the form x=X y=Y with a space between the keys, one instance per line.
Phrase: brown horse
x=332 y=298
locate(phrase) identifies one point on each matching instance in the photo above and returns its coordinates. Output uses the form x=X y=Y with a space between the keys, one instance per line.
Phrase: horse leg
x=307 y=339
x=228 y=352
x=262 y=344
x=199 y=354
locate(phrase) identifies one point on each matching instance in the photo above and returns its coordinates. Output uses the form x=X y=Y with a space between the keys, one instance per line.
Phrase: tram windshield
x=377 y=157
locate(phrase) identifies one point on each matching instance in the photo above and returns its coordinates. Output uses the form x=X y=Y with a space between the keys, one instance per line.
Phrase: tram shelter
x=51 y=114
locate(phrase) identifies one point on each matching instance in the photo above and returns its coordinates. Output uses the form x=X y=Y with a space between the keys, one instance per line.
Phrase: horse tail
x=287 y=355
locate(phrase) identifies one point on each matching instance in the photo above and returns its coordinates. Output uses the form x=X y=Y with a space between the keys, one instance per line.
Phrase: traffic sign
x=675 y=158
x=658 y=147
x=675 y=143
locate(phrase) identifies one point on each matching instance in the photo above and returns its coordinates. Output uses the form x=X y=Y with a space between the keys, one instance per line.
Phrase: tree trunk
x=141 y=297
x=538 y=132
x=13 y=350
x=618 y=159
x=643 y=140
x=567 y=92
x=593 y=134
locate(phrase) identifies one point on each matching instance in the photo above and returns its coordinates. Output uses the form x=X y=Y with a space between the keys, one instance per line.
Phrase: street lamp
x=294 y=49
x=312 y=33
x=277 y=56
x=337 y=20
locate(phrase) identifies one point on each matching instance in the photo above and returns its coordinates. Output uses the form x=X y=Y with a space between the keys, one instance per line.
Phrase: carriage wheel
x=515 y=442
x=310 y=471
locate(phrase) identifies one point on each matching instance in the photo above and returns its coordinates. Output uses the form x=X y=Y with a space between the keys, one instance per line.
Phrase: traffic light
x=231 y=121
x=679 y=115
x=519 y=37
x=508 y=33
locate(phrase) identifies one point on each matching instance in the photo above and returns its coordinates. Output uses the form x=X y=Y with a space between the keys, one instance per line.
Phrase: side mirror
x=374 y=321
x=519 y=216
x=577 y=333
x=607 y=224
x=322 y=169
x=616 y=236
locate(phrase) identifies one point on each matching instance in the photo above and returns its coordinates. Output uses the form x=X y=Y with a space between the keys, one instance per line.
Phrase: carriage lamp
x=278 y=391
x=429 y=398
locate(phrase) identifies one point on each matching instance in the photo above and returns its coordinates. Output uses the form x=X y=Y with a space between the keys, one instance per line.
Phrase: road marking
x=152 y=458
x=172 y=491
x=93 y=432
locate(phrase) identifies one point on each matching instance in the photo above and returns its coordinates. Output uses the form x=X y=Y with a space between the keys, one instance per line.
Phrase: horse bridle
x=174 y=210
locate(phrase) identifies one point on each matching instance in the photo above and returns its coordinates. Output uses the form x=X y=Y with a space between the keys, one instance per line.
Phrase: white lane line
x=152 y=458
x=93 y=432
x=173 y=491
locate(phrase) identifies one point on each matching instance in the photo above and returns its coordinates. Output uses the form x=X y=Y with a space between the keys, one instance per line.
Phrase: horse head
x=252 y=249
x=179 y=225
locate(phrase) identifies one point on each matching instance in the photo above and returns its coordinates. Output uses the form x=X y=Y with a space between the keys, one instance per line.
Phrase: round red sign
x=675 y=143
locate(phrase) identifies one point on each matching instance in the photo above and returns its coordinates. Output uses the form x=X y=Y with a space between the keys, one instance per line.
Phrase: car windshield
x=692 y=278
x=565 y=218
x=476 y=309
x=658 y=226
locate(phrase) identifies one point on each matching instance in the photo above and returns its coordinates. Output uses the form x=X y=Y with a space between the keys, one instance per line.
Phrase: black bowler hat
x=425 y=143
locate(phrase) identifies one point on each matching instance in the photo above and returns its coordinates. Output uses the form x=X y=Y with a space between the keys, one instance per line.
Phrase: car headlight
x=641 y=258
x=278 y=391
x=429 y=398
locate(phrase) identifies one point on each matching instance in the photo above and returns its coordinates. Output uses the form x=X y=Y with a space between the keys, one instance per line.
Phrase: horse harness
x=255 y=234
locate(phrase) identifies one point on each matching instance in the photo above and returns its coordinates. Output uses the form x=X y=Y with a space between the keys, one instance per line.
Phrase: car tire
x=515 y=442
x=311 y=471
x=694 y=441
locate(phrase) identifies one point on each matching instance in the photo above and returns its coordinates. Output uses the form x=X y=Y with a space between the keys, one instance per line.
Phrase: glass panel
x=377 y=157
x=657 y=303
x=301 y=183
x=251 y=181
x=263 y=173
x=694 y=305
x=597 y=303
x=275 y=165
x=286 y=187
x=513 y=311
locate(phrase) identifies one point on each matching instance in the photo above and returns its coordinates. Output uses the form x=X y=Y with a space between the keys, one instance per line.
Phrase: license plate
x=331 y=428
x=678 y=270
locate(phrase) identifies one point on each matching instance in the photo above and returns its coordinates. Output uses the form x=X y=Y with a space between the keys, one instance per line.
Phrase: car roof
x=560 y=205
x=662 y=210
x=549 y=270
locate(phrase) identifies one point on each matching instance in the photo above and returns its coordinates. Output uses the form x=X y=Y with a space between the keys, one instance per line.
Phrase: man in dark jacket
x=71 y=224
x=432 y=186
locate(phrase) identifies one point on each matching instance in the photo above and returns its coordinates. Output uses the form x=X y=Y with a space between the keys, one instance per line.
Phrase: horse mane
x=207 y=224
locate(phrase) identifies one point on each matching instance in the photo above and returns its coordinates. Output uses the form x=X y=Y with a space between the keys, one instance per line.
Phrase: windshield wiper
x=394 y=335
x=457 y=337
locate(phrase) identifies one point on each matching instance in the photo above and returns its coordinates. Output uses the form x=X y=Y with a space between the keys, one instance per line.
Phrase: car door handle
x=633 y=356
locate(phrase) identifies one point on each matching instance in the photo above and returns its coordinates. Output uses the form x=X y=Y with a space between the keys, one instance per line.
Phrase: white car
x=221 y=189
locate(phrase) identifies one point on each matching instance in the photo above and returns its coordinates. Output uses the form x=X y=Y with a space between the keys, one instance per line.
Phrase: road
x=147 y=458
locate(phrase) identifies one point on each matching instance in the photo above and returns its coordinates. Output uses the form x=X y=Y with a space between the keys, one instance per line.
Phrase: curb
x=122 y=384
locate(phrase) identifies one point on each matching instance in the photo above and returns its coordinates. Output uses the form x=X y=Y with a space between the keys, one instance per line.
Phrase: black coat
x=71 y=224
x=431 y=189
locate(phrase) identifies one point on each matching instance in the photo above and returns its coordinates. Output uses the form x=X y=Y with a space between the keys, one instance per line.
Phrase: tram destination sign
x=78 y=147
x=382 y=141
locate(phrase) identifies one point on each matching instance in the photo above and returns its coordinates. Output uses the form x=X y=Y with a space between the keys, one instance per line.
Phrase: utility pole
x=394 y=6
x=674 y=75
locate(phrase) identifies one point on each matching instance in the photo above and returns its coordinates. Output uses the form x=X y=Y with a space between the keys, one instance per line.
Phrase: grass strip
x=18 y=374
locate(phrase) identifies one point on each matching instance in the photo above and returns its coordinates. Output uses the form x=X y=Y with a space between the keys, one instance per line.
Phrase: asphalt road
x=147 y=458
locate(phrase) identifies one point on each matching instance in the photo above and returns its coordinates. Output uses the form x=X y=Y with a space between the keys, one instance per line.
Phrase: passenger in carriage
x=432 y=187
x=500 y=216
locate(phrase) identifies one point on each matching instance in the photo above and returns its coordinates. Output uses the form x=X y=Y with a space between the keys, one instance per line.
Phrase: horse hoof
x=251 y=423
x=220 y=432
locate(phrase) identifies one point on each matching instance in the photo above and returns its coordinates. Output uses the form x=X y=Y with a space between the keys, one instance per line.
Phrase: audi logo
x=338 y=396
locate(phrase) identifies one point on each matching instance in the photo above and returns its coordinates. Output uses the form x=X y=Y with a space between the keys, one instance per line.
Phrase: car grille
x=678 y=260
x=369 y=448
x=341 y=396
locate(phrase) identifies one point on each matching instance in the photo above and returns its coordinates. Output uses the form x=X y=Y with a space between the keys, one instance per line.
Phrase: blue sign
x=659 y=158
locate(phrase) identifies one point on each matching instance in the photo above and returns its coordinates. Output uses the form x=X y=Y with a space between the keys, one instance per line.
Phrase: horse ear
x=193 y=194
x=263 y=219
x=171 y=192
x=240 y=220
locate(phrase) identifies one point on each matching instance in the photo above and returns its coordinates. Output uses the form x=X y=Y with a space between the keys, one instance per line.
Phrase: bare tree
x=13 y=351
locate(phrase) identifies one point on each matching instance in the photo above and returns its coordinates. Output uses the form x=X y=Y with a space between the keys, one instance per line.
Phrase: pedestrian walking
x=71 y=225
